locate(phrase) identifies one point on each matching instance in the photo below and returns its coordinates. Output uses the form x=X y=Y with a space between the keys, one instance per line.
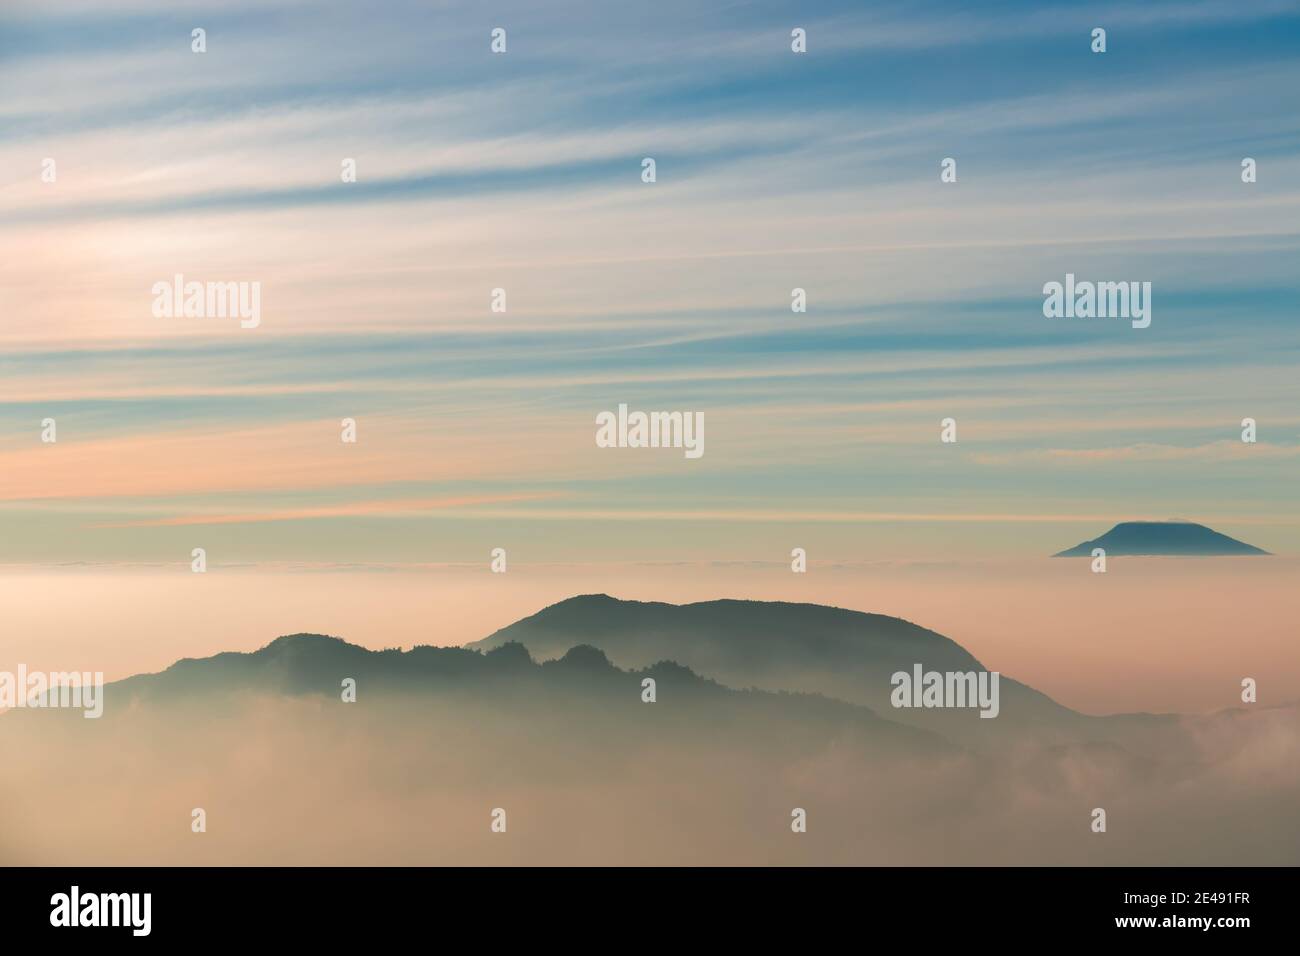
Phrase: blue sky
x=522 y=171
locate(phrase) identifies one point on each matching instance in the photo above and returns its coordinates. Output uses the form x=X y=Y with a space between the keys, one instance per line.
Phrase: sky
x=523 y=171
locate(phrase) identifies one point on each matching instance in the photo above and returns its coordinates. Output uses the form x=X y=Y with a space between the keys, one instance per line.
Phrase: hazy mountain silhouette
x=841 y=653
x=595 y=649
x=1161 y=538
x=291 y=774
x=582 y=684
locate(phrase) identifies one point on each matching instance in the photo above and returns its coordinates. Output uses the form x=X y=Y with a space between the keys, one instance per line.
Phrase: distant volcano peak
x=1161 y=538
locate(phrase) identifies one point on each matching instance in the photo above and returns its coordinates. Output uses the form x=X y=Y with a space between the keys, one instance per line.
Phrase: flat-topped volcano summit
x=1161 y=538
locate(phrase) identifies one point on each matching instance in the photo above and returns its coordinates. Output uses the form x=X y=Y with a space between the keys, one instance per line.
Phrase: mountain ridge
x=777 y=645
x=504 y=683
x=595 y=646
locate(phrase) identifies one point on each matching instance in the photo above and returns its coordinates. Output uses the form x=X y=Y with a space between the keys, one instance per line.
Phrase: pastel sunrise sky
x=523 y=171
